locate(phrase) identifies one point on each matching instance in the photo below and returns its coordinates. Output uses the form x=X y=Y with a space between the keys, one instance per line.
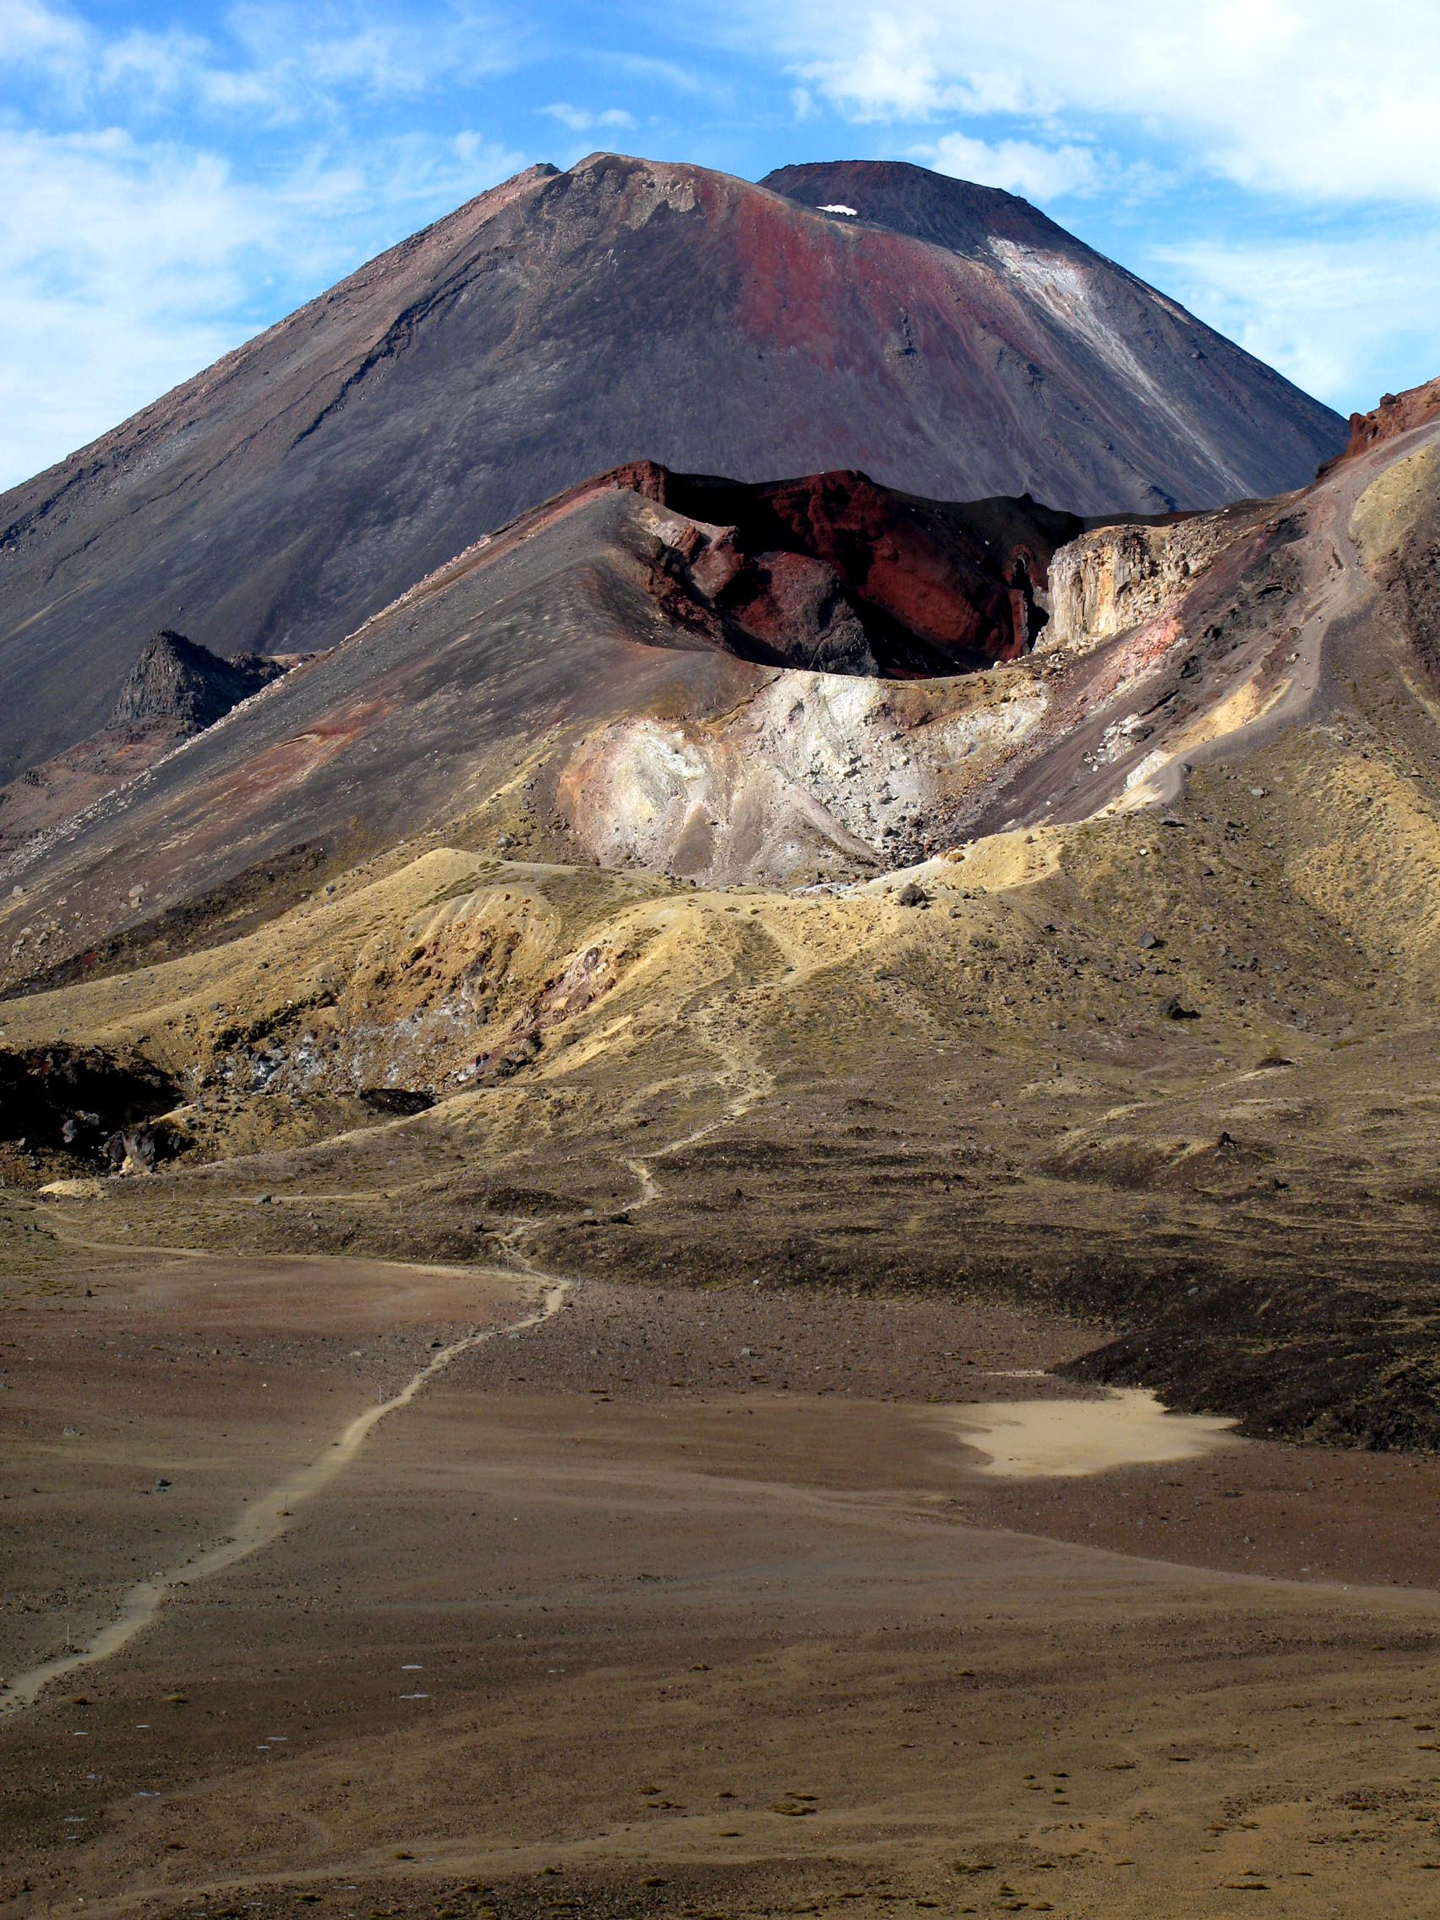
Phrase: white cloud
x=132 y=254
x=584 y=120
x=30 y=32
x=126 y=266
x=1335 y=316
x=274 y=60
x=31 y=29
x=304 y=52
x=1323 y=101
x=1019 y=166
x=656 y=72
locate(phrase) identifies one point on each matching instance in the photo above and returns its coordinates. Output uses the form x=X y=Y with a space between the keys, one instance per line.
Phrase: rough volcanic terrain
x=837 y=574
x=736 y=1216
x=174 y=691
x=948 y=340
x=1081 y=977
x=352 y=1587
x=627 y=643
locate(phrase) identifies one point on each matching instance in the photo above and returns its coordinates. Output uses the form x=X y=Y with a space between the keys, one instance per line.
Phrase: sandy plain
x=698 y=1603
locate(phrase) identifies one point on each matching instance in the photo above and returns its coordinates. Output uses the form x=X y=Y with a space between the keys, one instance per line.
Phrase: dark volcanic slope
x=174 y=691
x=433 y=701
x=949 y=341
x=582 y=643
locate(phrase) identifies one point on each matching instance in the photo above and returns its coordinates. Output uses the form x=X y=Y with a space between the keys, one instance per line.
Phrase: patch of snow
x=836 y=207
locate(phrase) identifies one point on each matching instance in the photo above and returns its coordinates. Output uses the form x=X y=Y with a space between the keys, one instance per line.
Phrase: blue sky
x=177 y=176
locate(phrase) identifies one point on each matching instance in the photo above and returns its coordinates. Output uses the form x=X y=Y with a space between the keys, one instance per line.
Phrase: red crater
x=837 y=573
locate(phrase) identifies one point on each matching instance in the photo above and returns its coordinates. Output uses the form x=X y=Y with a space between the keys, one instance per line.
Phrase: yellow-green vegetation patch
x=1388 y=510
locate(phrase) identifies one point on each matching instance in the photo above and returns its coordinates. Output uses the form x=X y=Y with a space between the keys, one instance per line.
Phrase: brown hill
x=948 y=340
x=1142 y=1025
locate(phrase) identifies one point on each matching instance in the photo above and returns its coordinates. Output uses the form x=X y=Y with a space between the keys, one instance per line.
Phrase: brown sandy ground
x=825 y=1091
x=618 y=1617
x=168 y=1387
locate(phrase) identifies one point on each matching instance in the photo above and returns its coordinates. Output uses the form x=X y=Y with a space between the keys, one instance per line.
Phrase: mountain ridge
x=564 y=323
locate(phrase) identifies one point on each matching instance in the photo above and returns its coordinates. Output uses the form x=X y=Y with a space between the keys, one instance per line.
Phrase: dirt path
x=743 y=1076
x=263 y=1519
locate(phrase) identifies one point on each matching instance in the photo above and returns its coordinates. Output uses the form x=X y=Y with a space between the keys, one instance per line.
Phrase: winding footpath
x=266 y=1517
x=262 y=1520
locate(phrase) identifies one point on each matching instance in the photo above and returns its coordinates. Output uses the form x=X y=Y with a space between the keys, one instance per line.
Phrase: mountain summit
x=945 y=339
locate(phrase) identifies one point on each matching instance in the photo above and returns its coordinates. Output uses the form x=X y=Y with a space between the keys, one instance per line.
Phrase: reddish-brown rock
x=1397 y=413
x=836 y=572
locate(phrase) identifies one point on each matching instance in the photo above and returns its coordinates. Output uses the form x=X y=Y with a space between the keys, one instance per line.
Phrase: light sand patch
x=1062 y=1439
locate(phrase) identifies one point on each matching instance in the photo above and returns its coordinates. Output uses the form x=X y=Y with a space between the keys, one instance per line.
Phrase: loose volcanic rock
x=83 y=1103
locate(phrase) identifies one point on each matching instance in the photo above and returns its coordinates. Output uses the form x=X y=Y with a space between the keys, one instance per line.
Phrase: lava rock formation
x=836 y=574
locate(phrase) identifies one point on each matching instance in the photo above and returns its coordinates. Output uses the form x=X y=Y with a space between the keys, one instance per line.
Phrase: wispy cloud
x=132 y=255
x=1326 y=101
x=33 y=32
x=1020 y=166
x=586 y=120
x=283 y=62
x=653 y=70
x=1310 y=307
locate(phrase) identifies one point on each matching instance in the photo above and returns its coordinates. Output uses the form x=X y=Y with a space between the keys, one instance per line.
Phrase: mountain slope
x=174 y=691
x=948 y=341
x=1148 y=1036
x=613 y=676
x=627 y=675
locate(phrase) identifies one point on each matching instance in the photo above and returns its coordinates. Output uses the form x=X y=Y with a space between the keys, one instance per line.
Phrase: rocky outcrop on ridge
x=1396 y=413
x=187 y=686
x=1114 y=577
x=174 y=691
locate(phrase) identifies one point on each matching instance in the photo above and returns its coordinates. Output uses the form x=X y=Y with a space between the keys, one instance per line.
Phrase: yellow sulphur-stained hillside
x=1150 y=1038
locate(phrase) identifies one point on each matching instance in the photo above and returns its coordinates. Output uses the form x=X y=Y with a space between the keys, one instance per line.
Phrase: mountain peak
x=947 y=339
x=934 y=207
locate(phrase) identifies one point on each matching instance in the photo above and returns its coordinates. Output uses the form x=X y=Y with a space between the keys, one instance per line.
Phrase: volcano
x=948 y=340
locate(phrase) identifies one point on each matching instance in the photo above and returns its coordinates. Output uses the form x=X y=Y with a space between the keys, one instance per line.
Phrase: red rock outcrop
x=1397 y=413
x=837 y=573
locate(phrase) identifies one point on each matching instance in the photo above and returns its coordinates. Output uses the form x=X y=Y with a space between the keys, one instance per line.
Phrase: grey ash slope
x=174 y=691
x=951 y=342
